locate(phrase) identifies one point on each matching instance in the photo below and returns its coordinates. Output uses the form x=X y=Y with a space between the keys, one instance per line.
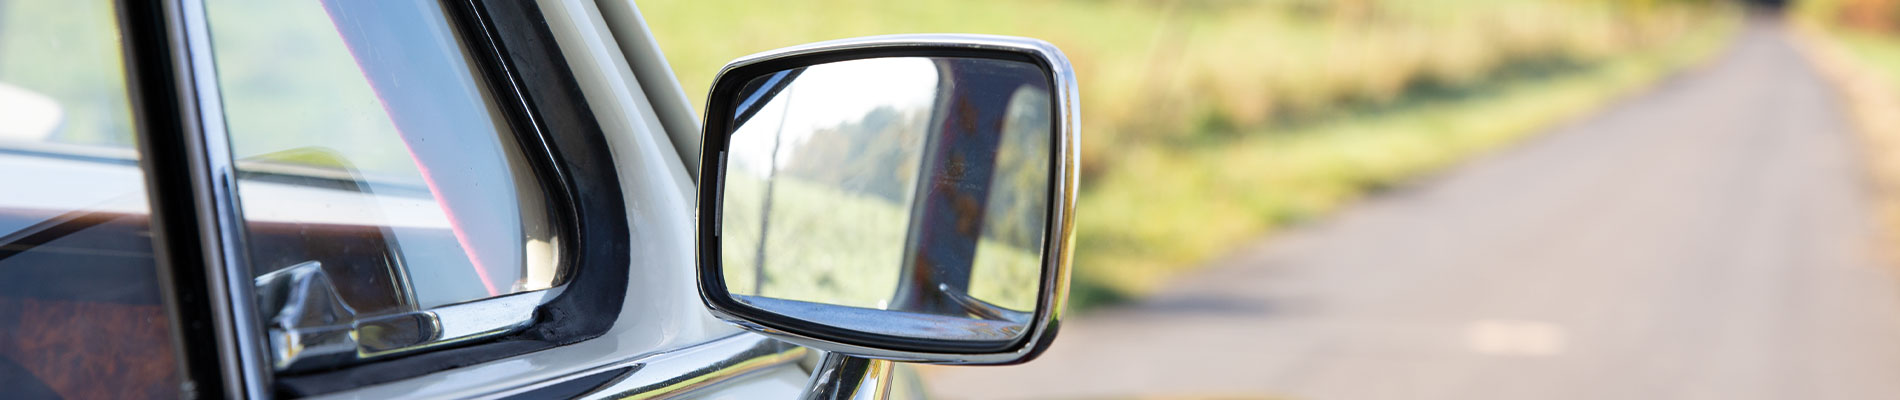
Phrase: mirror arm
x=842 y=377
x=308 y=322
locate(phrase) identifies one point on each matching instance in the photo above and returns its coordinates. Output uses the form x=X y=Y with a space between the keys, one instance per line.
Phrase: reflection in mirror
x=911 y=191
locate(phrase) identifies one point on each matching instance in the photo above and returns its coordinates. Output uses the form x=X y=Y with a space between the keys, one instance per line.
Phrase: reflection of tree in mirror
x=816 y=207
x=1019 y=193
x=837 y=213
x=876 y=155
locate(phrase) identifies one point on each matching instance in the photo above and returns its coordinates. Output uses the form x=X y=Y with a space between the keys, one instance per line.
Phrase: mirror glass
x=903 y=196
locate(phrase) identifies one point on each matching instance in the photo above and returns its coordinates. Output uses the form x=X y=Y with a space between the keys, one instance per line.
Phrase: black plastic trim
x=716 y=140
x=152 y=49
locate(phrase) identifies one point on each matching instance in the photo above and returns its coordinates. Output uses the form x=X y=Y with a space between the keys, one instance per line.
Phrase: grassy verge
x=1195 y=203
x=1866 y=68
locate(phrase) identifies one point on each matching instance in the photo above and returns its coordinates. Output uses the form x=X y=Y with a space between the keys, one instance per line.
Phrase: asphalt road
x=1711 y=239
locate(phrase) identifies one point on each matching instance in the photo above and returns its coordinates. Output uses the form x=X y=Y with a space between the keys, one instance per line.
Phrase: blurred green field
x=62 y=55
x=1209 y=123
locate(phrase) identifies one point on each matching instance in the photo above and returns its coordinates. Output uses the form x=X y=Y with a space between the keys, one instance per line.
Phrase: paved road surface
x=1708 y=240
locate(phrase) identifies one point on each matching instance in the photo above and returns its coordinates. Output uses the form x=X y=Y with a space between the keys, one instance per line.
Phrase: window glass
x=80 y=310
x=367 y=143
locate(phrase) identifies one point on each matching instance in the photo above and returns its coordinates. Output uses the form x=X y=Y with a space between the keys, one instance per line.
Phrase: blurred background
x=1183 y=100
x=1443 y=198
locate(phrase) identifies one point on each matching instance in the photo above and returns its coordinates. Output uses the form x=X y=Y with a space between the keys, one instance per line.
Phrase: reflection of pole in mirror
x=909 y=184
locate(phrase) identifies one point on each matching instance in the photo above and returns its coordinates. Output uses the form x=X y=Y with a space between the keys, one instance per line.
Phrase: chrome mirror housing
x=905 y=198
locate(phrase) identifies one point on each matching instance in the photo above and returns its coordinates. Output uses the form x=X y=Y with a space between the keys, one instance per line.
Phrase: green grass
x=1188 y=205
x=824 y=245
x=832 y=246
x=1881 y=52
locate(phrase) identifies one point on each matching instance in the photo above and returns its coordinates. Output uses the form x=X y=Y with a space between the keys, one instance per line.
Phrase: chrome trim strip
x=346 y=338
x=246 y=365
x=482 y=318
x=683 y=371
x=1057 y=255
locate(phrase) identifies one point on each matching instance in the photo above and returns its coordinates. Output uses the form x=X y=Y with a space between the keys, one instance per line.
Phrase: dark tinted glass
x=80 y=311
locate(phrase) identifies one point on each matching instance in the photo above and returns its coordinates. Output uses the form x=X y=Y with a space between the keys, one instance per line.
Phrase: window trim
x=515 y=53
x=166 y=61
x=293 y=297
x=198 y=228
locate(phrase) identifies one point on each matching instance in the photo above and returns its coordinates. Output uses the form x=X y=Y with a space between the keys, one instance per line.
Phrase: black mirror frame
x=1052 y=293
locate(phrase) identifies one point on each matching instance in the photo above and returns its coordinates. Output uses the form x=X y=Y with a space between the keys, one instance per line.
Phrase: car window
x=81 y=314
x=376 y=171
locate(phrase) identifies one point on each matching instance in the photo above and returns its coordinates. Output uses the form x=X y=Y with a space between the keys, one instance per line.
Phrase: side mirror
x=906 y=198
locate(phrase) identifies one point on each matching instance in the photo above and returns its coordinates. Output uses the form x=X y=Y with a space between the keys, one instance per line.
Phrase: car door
x=421 y=199
x=380 y=199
